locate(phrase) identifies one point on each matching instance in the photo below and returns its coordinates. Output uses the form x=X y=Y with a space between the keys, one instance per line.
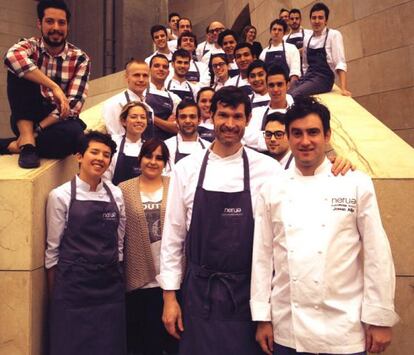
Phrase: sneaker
x=28 y=158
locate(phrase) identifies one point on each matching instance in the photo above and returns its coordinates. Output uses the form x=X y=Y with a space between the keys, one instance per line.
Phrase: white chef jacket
x=172 y=45
x=218 y=85
x=131 y=149
x=58 y=208
x=185 y=147
x=292 y=56
x=222 y=174
x=233 y=81
x=169 y=57
x=335 y=53
x=174 y=84
x=322 y=263
x=200 y=49
x=203 y=70
x=213 y=50
x=253 y=135
x=285 y=160
x=112 y=108
x=256 y=98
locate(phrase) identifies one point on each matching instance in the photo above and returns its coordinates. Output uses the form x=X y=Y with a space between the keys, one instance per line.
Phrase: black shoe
x=4 y=145
x=28 y=158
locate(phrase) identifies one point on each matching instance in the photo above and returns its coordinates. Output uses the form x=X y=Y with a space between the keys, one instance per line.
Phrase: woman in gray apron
x=319 y=77
x=87 y=312
x=216 y=286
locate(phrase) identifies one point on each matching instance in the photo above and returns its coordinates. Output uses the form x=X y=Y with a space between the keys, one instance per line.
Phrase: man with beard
x=244 y=57
x=160 y=38
x=187 y=140
x=210 y=211
x=47 y=82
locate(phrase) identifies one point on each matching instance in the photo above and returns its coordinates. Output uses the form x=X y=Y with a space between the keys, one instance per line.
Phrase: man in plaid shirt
x=47 y=84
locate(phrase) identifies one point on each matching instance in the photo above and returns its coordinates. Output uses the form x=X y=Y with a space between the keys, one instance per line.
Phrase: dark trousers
x=284 y=350
x=27 y=103
x=146 y=333
x=310 y=85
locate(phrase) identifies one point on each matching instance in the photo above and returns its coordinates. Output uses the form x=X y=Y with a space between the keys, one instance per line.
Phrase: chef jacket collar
x=84 y=186
x=323 y=169
x=214 y=156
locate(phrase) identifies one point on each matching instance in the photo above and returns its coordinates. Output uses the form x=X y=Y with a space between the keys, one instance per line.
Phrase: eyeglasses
x=277 y=134
x=218 y=30
x=218 y=65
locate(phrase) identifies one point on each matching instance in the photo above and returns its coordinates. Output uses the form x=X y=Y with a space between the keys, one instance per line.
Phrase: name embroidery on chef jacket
x=232 y=212
x=347 y=204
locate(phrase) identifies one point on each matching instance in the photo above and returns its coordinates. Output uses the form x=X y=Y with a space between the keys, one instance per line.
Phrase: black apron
x=163 y=108
x=88 y=301
x=319 y=70
x=178 y=155
x=205 y=50
x=289 y=161
x=246 y=88
x=193 y=75
x=206 y=133
x=297 y=41
x=149 y=131
x=126 y=167
x=264 y=119
x=233 y=72
x=182 y=94
x=277 y=57
x=259 y=103
x=216 y=287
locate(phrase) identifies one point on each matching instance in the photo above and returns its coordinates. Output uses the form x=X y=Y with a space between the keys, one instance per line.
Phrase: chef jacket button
x=294 y=279
x=316 y=307
x=319 y=251
x=296 y=305
x=316 y=281
x=323 y=225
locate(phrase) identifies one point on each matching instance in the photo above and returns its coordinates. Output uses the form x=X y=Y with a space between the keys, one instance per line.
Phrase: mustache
x=52 y=32
x=225 y=129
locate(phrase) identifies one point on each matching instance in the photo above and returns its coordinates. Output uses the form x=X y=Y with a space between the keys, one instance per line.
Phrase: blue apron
x=182 y=94
x=297 y=41
x=246 y=88
x=87 y=313
x=216 y=287
x=163 y=108
x=259 y=103
x=193 y=75
x=178 y=155
x=278 y=58
x=126 y=167
x=206 y=133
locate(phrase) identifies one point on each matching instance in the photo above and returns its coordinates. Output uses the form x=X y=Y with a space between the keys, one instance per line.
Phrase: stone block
x=341 y=13
x=359 y=81
x=351 y=34
x=23 y=312
x=407 y=135
x=396 y=202
x=23 y=196
x=368 y=7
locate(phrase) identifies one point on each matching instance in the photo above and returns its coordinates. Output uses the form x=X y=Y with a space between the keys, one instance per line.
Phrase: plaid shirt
x=69 y=69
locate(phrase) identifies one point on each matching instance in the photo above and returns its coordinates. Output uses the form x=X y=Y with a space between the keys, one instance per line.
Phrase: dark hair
x=172 y=14
x=187 y=103
x=206 y=88
x=180 y=53
x=157 y=28
x=148 y=148
x=283 y=10
x=256 y=64
x=210 y=64
x=186 y=34
x=126 y=108
x=243 y=45
x=227 y=33
x=247 y=29
x=277 y=70
x=95 y=136
x=184 y=18
x=304 y=106
x=208 y=28
x=295 y=11
x=275 y=117
x=158 y=55
x=231 y=96
x=319 y=6
x=46 y=4
x=279 y=22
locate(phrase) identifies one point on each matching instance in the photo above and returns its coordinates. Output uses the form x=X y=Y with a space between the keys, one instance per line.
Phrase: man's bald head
x=214 y=29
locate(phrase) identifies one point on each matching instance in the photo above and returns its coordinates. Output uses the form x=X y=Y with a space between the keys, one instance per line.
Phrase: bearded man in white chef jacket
x=323 y=278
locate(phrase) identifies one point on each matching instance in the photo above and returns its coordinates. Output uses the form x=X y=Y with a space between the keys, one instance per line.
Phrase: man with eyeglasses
x=276 y=140
x=214 y=30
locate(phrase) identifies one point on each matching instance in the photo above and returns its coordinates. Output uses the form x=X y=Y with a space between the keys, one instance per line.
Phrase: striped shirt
x=69 y=69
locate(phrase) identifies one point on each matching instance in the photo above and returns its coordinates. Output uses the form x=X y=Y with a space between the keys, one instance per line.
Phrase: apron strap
x=264 y=119
x=289 y=161
x=169 y=85
x=326 y=37
x=72 y=191
x=237 y=81
x=201 y=143
x=196 y=66
x=111 y=197
x=127 y=97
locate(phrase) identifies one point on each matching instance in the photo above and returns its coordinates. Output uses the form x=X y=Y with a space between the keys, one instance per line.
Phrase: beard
x=47 y=38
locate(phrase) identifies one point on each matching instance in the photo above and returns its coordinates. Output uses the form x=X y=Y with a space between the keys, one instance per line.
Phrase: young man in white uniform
x=184 y=25
x=160 y=38
x=323 y=278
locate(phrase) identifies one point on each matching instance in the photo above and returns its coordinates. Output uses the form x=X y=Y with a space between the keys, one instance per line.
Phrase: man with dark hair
x=85 y=238
x=187 y=140
x=322 y=264
x=280 y=53
x=159 y=36
x=228 y=40
x=211 y=47
x=137 y=76
x=284 y=14
x=323 y=56
x=210 y=211
x=198 y=72
x=47 y=82
x=244 y=57
x=183 y=25
x=178 y=84
x=256 y=76
x=172 y=30
x=297 y=32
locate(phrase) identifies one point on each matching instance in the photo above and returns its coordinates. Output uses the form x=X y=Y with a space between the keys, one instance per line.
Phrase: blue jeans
x=283 y=350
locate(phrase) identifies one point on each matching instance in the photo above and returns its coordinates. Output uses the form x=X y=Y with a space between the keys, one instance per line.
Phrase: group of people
x=213 y=217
